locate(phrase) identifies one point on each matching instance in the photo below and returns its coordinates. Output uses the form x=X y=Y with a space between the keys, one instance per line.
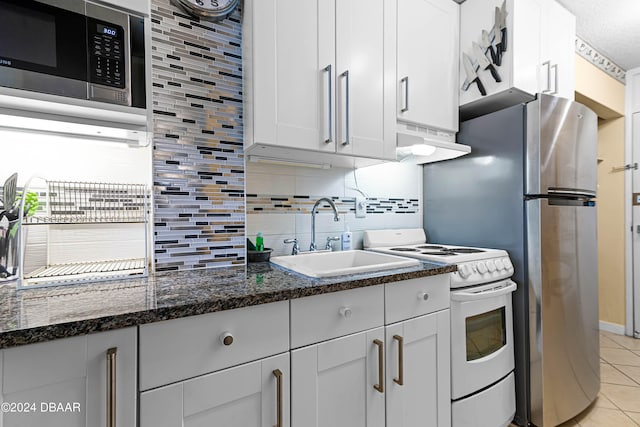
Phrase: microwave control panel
x=106 y=53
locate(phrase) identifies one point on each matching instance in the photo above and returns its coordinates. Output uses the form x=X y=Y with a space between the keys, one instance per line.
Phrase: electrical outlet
x=361 y=207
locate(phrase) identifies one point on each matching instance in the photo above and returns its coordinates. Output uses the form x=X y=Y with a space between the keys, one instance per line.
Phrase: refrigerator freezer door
x=561 y=145
x=563 y=323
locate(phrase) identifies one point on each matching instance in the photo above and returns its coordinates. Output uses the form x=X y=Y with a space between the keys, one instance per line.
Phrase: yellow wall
x=605 y=96
x=597 y=90
x=611 y=229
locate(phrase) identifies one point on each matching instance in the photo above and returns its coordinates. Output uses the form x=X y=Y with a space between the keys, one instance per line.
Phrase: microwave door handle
x=489 y=293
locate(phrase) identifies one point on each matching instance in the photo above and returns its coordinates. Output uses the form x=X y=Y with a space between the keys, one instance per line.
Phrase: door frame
x=632 y=288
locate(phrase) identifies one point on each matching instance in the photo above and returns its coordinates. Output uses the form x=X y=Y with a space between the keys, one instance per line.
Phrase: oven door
x=43 y=48
x=481 y=337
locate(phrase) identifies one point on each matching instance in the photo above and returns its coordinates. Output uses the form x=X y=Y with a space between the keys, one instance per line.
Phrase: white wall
x=389 y=180
x=62 y=158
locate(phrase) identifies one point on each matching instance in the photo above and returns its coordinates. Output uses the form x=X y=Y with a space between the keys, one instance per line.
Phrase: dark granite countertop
x=37 y=315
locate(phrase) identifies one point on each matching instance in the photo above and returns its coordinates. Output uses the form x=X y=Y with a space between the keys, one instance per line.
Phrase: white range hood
x=421 y=145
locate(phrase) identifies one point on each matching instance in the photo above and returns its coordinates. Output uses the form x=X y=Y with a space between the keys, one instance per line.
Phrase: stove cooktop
x=442 y=253
x=412 y=243
x=475 y=265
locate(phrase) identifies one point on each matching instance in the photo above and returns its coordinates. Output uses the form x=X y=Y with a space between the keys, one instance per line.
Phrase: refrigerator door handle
x=571 y=192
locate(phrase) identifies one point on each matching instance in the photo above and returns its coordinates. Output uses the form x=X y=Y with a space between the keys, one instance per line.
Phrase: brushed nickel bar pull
x=346 y=76
x=330 y=100
x=111 y=386
x=555 y=79
x=405 y=80
x=548 y=64
x=278 y=374
x=400 y=379
x=380 y=386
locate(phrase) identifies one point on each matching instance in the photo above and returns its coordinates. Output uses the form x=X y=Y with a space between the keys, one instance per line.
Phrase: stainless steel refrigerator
x=528 y=186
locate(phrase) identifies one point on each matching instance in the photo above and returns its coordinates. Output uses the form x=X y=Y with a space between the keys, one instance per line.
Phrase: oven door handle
x=507 y=288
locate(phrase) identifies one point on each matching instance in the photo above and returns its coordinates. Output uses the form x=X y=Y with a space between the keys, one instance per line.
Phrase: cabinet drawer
x=178 y=349
x=415 y=297
x=327 y=316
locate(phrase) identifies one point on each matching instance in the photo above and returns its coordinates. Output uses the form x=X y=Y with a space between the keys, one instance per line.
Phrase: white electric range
x=482 y=354
x=475 y=265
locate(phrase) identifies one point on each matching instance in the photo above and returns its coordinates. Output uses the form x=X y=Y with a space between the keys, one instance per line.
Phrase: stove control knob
x=491 y=266
x=499 y=264
x=482 y=267
x=507 y=263
x=464 y=270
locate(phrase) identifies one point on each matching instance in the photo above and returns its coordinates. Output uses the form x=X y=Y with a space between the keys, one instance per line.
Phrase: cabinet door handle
x=380 y=386
x=405 y=80
x=555 y=79
x=111 y=386
x=278 y=374
x=548 y=64
x=329 y=99
x=346 y=106
x=400 y=379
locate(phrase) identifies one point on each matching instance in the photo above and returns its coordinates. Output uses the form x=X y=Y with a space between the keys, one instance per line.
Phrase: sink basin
x=328 y=264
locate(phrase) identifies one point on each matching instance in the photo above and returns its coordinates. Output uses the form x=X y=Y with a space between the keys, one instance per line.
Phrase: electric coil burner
x=482 y=361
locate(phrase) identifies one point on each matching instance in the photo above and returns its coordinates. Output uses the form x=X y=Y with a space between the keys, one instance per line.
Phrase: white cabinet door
x=332 y=383
x=428 y=33
x=124 y=362
x=66 y=381
x=418 y=372
x=292 y=49
x=255 y=394
x=365 y=66
x=557 y=73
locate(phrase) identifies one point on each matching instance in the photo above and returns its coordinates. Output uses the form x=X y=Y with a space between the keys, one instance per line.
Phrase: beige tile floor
x=618 y=404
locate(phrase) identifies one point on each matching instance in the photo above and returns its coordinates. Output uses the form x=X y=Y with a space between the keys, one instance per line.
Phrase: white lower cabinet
x=338 y=384
x=228 y=369
x=255 y=394
x=72 y=382
x=396 y=375
x=418 y=375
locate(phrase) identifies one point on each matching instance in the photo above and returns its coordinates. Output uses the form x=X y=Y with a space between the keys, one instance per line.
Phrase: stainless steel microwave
x=73 y=48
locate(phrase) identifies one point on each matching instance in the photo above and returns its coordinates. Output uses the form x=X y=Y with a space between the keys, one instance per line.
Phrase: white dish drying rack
x=85 y=232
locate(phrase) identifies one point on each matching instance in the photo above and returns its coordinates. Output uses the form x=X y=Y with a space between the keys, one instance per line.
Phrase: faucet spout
x=336 y=218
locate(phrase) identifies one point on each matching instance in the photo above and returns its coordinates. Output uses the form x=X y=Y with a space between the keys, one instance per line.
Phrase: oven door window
x=485 y=333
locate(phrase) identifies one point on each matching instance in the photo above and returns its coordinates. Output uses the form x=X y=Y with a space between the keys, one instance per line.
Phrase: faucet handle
x=329 y=240
x=296 y=247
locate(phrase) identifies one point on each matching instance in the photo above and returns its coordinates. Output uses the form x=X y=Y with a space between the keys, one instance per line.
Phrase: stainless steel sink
x=328 y=264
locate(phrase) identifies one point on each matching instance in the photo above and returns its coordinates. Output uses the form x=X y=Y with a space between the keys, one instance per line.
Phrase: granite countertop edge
x=295 y=286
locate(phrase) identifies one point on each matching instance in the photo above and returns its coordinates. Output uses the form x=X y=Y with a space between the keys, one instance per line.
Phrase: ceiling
x=611 y=27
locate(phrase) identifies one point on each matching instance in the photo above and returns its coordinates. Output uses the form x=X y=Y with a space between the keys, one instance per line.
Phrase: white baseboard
x=614 y=328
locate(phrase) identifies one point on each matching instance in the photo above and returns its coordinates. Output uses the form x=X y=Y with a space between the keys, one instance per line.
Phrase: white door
x=365 y=63
x=418 y=372
x=332 y=383
x=293 y=73
x=636 y=227
x=255 y=394
x=65 y=381
x=428 y=63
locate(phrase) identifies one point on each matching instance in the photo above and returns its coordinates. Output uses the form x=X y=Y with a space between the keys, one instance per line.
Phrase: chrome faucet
x=336 y=218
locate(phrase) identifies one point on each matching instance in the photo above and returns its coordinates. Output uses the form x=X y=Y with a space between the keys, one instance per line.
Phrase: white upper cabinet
x=319 y=76
x=557 y=53
x=427 y=49
x=538 y=58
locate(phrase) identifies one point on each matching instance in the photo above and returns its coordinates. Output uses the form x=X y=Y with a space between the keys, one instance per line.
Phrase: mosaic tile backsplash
x=257 y=203
x=198 y=166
